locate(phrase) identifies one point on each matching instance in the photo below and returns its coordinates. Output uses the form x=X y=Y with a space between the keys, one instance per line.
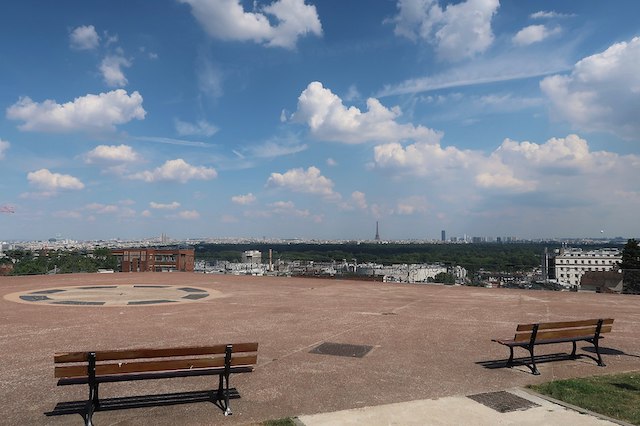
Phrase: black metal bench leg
x=573 y=353
x=91 y=406
x=532 y=367
x=227 y=368
x=600 y=362
x=510 y=360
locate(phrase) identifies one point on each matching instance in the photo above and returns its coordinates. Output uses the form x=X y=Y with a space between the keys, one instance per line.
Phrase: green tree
x=630 y=266
x=445 y=278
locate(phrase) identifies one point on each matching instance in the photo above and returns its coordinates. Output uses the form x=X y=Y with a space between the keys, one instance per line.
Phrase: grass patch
x=616 y=396
x=287 y=421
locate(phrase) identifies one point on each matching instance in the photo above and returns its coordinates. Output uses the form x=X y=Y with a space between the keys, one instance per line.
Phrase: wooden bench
x=94 y=368
x=529 y=335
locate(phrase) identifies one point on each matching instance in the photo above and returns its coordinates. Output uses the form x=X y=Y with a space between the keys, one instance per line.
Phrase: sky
x=315 y=119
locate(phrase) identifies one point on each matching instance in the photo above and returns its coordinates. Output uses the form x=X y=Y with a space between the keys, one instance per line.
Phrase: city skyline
x=317 y=120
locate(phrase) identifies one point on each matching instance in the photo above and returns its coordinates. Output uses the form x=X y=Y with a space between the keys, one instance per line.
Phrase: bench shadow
x=141 y=401
x=526 y=360
x=608 y=351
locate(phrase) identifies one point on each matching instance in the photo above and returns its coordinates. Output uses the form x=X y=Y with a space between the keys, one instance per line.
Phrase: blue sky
x=315 y=119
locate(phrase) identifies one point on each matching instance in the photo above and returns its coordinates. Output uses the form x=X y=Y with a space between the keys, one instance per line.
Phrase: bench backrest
x=562 y=329
x=75 y=364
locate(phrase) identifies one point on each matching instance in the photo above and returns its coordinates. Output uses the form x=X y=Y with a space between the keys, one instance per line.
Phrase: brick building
x=154 y=260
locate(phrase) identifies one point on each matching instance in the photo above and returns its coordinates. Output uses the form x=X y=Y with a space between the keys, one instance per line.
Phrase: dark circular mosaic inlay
x=114 y=295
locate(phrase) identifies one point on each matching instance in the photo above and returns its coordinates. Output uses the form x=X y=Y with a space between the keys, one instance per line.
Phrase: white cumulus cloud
x=602 y=93
x=422 y=159
x=359 y=199
x=308 y=181
x=244 y=199
x=457 y=31
x=329 y=119
x=90 y=112
x=84 y=37
x=111 y=153
x=176 y=170
x=111 y=69
x=227 y=20
x=49 y=181
x=533 y=34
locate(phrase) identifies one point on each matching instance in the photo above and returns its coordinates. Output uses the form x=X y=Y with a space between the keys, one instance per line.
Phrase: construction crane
x=7 y=209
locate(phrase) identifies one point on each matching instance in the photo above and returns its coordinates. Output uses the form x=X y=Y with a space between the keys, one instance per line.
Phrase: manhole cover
x=342 y=349
x=503 y=402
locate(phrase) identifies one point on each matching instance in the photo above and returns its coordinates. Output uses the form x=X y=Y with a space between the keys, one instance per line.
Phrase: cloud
x=84 y=37
x=159 y=206
x=570 y=155
x=189 y=214
x=533 y=34
x=49 y=181
x=199 y=128
x=359 y=199
x=244 y=200
x=412 y=205
x=503 y=181
x=328 y=119
x=287 y=208
x=111 y=153
x=506 y=66
x=308 y=181
x=602 y=93
x=67 y=214
x=109 y=209
x=89 y=113
x=422 y=159
x=209 y=76
x=176 y=170
x=549 y=15
x=227 y=20
x=331 y=162
x=457 y=32
x=111 y=69
x=277 y=147
x=4 y=146
x=102 y=208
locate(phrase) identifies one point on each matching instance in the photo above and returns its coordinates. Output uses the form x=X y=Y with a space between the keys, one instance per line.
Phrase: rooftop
x=426 y=341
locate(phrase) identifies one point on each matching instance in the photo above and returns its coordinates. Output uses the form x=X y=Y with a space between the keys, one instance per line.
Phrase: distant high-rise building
x=377 y=233
x=443 y=235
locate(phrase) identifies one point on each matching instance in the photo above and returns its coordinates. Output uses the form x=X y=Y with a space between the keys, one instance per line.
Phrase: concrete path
x=456 y=410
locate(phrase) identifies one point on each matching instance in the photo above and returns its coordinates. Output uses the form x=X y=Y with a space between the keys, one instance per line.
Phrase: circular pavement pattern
x=114 y=295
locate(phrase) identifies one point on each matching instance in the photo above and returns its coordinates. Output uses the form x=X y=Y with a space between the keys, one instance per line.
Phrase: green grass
x=616 y=396
x=287 y=421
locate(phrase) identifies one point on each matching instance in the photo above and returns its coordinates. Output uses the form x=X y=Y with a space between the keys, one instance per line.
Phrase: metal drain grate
x=503 y=402
x=342 y=349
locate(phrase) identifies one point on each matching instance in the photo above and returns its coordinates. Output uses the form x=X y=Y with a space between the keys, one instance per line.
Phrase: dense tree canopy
x=630 y=266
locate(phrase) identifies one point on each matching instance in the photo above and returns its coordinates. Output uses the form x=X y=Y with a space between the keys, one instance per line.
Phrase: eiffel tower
x=377 y=233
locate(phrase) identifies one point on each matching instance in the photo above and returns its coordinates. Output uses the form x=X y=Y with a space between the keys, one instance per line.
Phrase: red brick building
x=155 y=260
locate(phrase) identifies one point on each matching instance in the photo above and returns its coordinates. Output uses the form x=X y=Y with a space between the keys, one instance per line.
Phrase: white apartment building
x=572 y=263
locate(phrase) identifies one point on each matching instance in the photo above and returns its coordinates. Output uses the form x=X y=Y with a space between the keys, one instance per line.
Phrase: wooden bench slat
x=546 y=333
x=563 y=324
x=63 y=357
x=148 y=366
x=83 y=380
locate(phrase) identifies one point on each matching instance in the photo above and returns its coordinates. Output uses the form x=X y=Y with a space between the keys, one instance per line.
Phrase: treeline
x=491 y=256
x=26 y=262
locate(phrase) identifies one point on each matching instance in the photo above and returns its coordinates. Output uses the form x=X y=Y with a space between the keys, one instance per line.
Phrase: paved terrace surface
x=428 y=341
